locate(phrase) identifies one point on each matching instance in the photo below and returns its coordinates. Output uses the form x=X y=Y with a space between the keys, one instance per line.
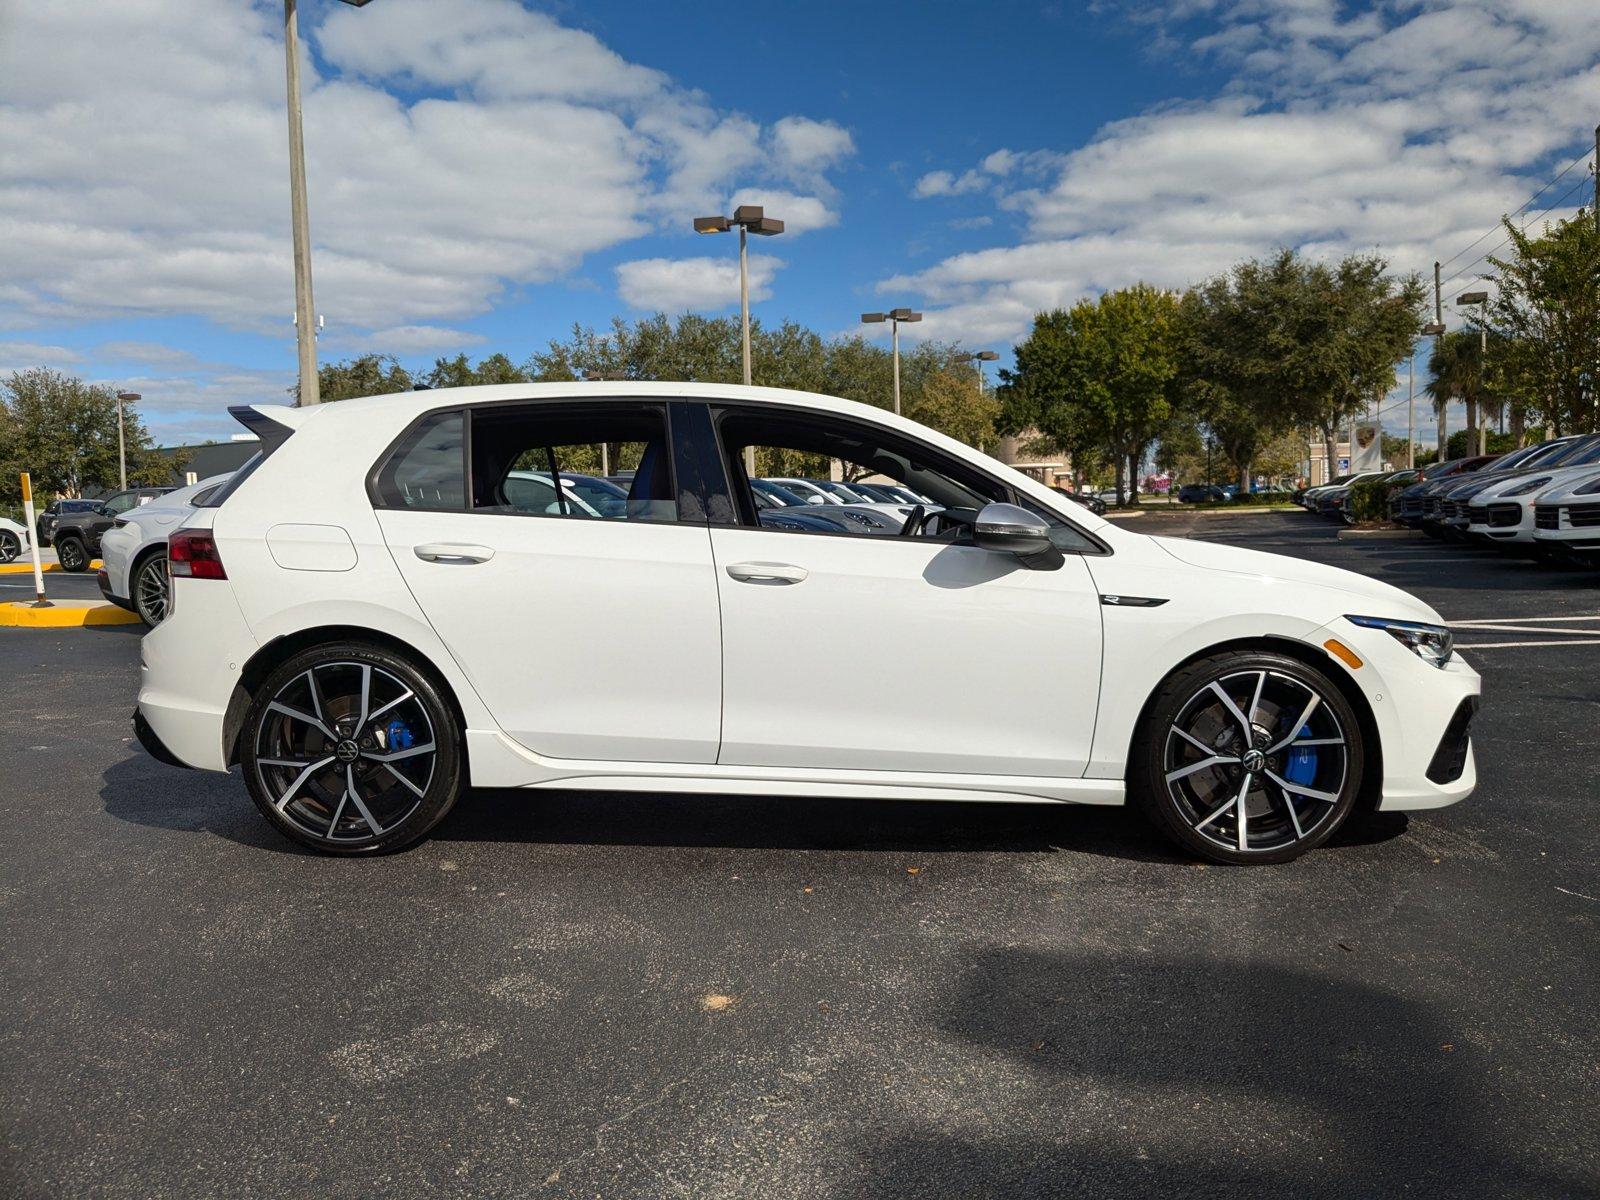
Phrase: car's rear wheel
x=151 y=587
x=10 y=546
x=352 y=749
x=1248 y=757
x=72 y=554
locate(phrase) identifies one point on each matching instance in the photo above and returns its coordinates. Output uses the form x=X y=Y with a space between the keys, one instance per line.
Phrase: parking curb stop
x=63 y=614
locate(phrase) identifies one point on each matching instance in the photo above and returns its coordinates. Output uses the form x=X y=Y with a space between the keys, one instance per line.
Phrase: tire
x=72 y=554
x=10 y=546
x=327 y=779
x=1190 y=765
x=150 y=589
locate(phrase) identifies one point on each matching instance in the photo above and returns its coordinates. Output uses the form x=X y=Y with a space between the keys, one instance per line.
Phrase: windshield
x=1581 y=453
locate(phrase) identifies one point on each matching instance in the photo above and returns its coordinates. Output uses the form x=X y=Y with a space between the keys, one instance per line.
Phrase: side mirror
x=1009 y=529
x=815 y=499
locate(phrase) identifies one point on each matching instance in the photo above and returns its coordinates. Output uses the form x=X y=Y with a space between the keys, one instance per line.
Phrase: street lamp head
x=905 y=314
x=358 y=3
x=1433 y=328
x=711 y=224
x=874 y=318
x=986 y=355
x=766 y=226
x=129 y=397
x=748 y=214
x=1473 y=298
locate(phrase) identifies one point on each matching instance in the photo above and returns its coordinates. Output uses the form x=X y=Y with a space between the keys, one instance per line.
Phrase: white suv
x=367 y=622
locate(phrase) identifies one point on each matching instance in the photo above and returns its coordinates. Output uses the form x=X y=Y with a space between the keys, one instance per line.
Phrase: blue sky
x=485 y=173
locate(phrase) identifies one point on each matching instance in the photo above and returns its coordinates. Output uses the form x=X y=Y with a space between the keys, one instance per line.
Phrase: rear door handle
x=453 y=552
x=763 y=572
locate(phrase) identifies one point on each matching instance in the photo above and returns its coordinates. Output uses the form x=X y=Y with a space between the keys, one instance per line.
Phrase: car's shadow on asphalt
x=1227 y=1072
x=140 y=790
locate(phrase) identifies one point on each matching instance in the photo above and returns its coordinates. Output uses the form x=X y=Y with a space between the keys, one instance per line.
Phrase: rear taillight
x=192 y=554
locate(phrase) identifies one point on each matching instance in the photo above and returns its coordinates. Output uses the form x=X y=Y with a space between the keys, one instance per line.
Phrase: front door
x=586 y=636
x=871 y=651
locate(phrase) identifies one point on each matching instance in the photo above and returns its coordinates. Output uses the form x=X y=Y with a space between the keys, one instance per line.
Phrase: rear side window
x=428 y=469
x=550 y=461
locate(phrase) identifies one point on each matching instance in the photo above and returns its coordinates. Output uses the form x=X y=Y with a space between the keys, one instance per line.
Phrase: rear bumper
x=103 y=579
x=153 y=745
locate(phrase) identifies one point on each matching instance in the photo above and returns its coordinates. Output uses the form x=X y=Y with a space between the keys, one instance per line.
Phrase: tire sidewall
x=448 y=776
x=1147 y=776
x=153 y=562
x=10 y=546
x=73 y=548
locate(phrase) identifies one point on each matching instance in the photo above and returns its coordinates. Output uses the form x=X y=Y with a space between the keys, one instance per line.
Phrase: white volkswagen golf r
x=366 y=623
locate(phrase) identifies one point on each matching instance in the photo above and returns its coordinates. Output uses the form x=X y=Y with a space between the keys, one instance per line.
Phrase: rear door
x=587 y=637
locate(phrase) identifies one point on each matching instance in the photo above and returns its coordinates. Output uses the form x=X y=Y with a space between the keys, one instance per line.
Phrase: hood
x=1376 y=599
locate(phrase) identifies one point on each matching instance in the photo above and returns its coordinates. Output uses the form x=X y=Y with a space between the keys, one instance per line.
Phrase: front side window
x=551 y=461
x=121 y=503
x=791 y=449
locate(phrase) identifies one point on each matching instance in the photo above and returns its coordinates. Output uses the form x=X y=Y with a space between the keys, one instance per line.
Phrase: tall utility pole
x=305 y=324
x=1438 y=344
x=1597 y=178
x=305 y=328
x=1411 y=416
x=894 y=316
x=122 y=447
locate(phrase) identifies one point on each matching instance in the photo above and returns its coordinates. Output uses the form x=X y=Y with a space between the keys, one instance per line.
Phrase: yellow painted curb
x=64 y=614
x=26 y=568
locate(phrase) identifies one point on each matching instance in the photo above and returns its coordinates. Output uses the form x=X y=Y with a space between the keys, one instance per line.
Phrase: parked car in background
x=1336 y=501
x=1200 y=493
x=1406 y=505
x=1566 y=522
x=1310 y=497
x=468 y=641
x=133 y=571
x=13 y=539
x=1449 y=519
x=1090 y=501
x=45 y=522
x=1502 y=514
x=76 y=535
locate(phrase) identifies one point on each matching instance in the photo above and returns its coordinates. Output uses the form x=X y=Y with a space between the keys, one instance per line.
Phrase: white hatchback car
x=133 y=552
x=367 y=622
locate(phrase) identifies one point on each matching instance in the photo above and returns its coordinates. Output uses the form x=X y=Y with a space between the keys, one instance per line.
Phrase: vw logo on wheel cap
x=1253 y=761
x=347 y=751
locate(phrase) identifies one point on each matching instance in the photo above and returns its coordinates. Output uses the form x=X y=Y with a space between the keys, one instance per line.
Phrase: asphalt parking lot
x=589 y=995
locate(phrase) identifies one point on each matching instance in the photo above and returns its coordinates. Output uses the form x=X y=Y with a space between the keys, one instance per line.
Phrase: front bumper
x=1414 y=706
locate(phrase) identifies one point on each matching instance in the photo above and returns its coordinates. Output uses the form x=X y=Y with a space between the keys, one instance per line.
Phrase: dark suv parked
x=76 y=533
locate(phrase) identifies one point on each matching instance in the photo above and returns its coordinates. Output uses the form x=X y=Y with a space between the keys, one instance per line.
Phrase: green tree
x=457 y=372
x=1100 y=375
x=1547 y=309
x=948 y=400
x=63 y=432
x=368 y=375
x=1456 y=364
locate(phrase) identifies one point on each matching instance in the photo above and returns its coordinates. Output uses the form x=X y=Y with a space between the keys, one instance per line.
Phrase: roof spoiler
x=272 y=423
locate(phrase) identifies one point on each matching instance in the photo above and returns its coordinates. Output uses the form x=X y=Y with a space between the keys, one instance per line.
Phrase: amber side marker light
x=1343 y=653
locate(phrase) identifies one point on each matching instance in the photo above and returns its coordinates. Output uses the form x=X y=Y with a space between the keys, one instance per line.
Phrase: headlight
x=1531 y=485
x=1431 y=643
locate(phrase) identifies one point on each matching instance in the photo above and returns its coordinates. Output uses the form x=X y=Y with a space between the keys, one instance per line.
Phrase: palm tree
x=1457 y=368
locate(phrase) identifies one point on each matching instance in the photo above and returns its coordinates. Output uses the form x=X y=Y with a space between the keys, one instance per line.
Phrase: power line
x=1582 y=157
x=1507 y=239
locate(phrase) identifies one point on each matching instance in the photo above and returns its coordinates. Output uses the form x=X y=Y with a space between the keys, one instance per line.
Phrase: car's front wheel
x=10 y=546
x=1248 y=757
x=151 y=587
x=352 y=749
x=72 y=554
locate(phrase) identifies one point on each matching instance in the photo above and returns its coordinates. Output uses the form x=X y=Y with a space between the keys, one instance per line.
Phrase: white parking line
x=1515 y=645
x=1492 y=621
x=1507 y=628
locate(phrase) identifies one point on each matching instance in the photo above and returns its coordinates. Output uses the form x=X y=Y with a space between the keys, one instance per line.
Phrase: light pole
x=977 y=358
x=1436 y=328
x=122 y=447
x=305 y=331
x=1482 y=300
x=894 y=316
x=747 y=219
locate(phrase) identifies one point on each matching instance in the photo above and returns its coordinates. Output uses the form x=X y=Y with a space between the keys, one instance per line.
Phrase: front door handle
x=453 y=552
x=765 y=572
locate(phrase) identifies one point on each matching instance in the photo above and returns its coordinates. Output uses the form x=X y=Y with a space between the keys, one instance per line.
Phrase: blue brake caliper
x=1301 y=764
x=397 y=736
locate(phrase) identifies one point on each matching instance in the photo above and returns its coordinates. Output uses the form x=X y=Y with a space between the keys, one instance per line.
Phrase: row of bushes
x=1369 y=501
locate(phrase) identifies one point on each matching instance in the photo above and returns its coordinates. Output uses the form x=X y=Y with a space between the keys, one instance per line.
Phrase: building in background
x=206 y=459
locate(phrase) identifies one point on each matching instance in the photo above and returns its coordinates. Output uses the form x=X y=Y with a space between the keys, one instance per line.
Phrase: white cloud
x=143 y=162
x=946 y=183
x=1407 y=129
x=194 y=407
x=153 y=354
x=406 y=339
x=20 y=356
x=674 y=285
